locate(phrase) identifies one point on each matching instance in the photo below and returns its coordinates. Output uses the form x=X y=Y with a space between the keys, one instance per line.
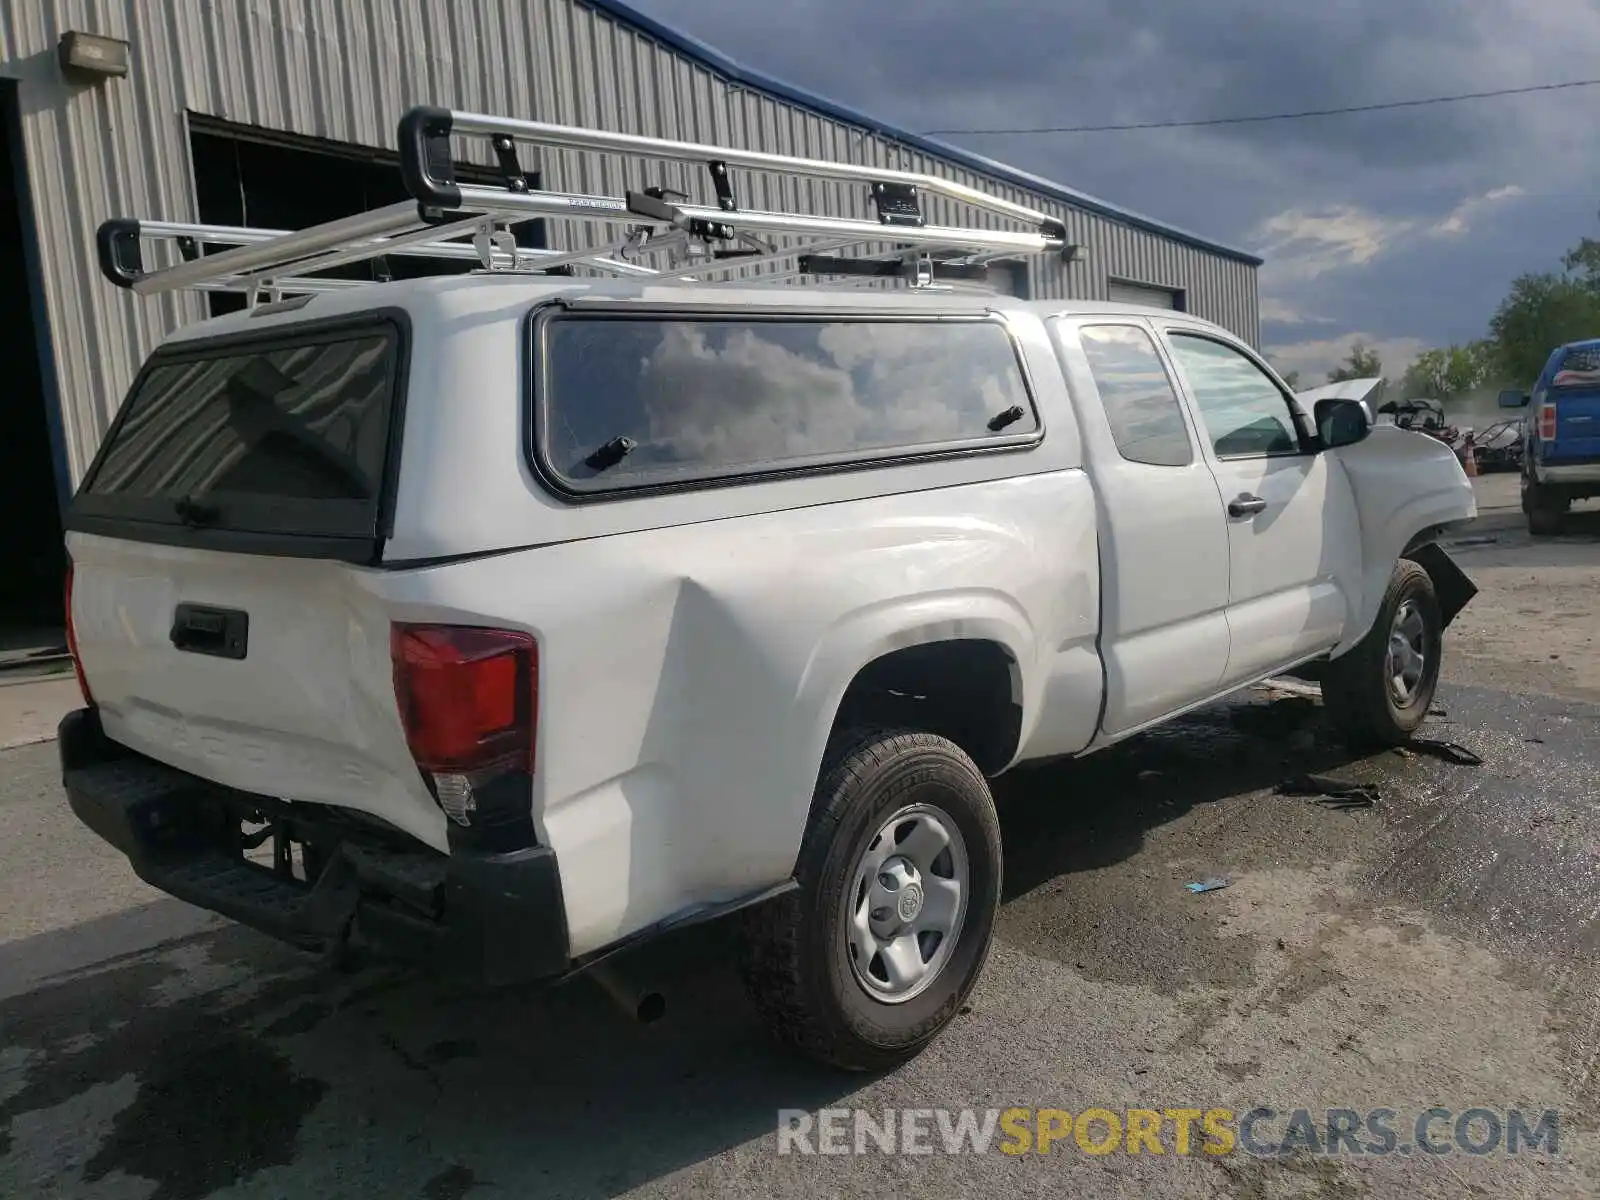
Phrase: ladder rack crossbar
x=250 y=235
x=362 y=251
x=245 y=235
x=218 y=278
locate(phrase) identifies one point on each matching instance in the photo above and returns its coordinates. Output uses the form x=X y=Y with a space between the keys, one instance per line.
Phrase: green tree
x=1544 y=311
x=1360 y=363
x=1423 y=377
x=1583 y=261
x=1450 y=373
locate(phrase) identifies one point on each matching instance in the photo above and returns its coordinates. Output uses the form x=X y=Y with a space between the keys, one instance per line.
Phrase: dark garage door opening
x=245 y=175
x=32 y=555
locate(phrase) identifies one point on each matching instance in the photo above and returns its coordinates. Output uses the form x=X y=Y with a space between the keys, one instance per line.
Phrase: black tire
x=1356 y=687
x=1546 y=522
x=793 y=954
x=1546 y=510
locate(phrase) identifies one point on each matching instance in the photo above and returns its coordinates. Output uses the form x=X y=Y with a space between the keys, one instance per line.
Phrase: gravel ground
x=1441 y=948
x=1535 y=625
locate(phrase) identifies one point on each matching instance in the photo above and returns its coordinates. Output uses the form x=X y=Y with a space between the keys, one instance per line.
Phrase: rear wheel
x=1379 y=692
x=1546 y=509
x=871 y=957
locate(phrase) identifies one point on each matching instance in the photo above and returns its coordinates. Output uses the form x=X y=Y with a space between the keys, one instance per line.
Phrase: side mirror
x=1513 y=399
x=1342 y=422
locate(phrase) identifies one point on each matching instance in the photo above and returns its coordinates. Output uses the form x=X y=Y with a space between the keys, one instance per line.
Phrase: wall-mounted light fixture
x=88 y=56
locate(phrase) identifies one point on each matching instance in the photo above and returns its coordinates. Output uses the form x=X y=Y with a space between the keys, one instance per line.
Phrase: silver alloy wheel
x=1407 y=659
x=906 y=903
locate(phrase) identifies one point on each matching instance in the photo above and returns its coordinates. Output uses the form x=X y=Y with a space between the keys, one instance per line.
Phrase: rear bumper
x=497 y=918
x=1568 y=472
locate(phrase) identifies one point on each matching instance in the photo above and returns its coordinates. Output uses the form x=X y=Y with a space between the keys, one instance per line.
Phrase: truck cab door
x=1294 y=538
x=1163 y=539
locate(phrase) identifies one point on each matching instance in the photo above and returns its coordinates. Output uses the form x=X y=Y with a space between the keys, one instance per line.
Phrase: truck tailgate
x=221 y=544
x=1577 y=424
x=266 y=674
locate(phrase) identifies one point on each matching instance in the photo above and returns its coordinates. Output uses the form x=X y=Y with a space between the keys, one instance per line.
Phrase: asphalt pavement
x=1438 y=948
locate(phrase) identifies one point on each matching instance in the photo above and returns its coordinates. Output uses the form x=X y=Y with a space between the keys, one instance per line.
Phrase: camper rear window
x=287 y=437
x=635 y=401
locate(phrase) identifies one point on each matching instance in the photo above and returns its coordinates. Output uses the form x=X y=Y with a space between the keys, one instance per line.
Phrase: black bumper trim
x=498 y=918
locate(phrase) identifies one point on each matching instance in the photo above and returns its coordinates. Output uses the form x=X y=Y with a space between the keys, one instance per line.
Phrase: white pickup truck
x=528 y=617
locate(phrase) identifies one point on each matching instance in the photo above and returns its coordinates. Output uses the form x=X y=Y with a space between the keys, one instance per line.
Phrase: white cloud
x=1459 y=220
x=1301 y=244
x=1278 y=311
x=1315 y=358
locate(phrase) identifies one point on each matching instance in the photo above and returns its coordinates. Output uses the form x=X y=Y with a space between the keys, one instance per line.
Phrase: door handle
x=1246 y=505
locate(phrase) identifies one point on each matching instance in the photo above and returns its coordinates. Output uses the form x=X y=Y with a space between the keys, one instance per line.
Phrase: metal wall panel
x=344 y=70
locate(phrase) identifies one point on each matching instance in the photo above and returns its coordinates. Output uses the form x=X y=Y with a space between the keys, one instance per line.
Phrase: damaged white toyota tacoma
x=526 y=617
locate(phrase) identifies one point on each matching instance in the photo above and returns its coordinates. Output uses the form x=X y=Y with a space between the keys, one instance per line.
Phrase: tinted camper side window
x=638 y=401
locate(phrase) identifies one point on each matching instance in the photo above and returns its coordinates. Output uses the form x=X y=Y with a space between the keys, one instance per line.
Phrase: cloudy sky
x=1403 y=228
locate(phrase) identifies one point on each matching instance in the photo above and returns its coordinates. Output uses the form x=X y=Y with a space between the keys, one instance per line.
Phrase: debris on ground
x=1451 y=752
x=1330 y=792
x=1209 y=885
x=1282 y=686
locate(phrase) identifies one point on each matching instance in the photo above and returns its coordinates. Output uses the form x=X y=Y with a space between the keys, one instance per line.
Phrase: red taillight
x=72 y=645
x=467 y=696
x=1547 y=422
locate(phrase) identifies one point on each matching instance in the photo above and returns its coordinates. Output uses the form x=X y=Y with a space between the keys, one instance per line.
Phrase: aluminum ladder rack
x=699 y=242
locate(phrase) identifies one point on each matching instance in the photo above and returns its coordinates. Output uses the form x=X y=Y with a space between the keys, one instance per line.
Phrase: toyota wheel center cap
x=910 y=903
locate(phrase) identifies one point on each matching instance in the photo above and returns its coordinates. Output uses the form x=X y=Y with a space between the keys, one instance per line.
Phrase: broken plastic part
x=455 y=796
x=1332 y=793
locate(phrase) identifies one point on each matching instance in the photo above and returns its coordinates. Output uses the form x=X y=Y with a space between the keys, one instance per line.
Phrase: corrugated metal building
x=227 y=107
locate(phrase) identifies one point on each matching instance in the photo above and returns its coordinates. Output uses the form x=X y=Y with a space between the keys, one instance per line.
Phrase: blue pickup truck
x=1561 y=460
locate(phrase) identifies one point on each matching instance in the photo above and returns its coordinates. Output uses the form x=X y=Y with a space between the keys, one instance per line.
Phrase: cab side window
x=1139 y=401
x=1246 y=414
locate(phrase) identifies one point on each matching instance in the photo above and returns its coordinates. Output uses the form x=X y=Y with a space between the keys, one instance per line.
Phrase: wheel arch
x=915 y=641
x=1416 y=529
x=968 y=690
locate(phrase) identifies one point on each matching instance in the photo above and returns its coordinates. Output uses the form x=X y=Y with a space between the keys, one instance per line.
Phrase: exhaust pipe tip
x=637 y=1001
x=652 y=1007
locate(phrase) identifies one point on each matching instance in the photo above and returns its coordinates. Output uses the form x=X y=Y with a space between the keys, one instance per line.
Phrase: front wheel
x=872 y=956
x=1380 y=691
